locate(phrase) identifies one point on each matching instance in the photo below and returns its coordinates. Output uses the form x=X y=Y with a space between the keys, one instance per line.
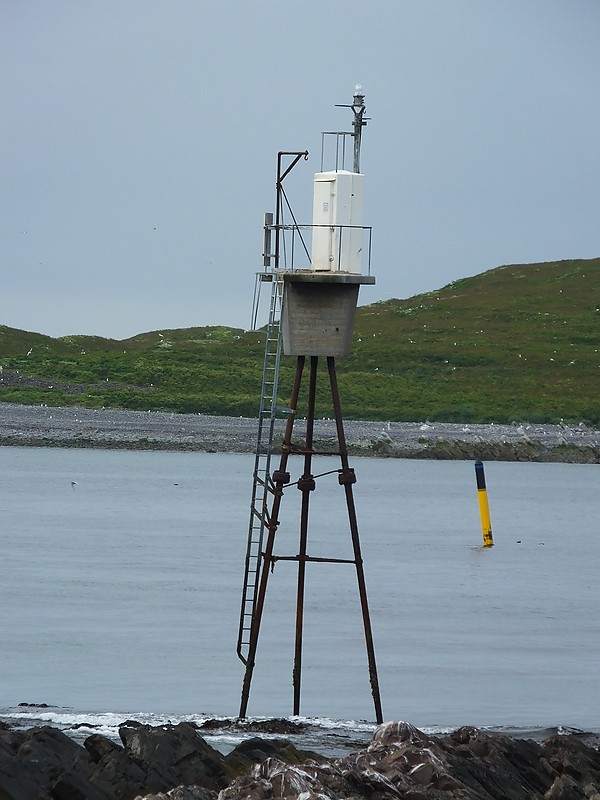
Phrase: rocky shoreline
x=44 y=426
x=175 y=761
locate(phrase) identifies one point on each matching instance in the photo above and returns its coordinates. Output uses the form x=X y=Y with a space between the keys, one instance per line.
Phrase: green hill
x=518 y=342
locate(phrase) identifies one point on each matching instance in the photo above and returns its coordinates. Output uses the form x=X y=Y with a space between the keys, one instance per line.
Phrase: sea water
x=121 y=576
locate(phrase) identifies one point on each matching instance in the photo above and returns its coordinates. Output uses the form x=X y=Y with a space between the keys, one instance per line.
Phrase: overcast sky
x=139 y=142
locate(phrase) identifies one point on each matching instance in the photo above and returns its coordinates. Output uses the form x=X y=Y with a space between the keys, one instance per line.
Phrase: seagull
x=73 y=484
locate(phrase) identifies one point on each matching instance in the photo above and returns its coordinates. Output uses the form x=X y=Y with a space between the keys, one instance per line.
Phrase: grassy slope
x=516 y=342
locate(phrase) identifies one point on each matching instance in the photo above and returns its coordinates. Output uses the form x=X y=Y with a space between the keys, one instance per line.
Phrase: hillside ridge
x=517 y=342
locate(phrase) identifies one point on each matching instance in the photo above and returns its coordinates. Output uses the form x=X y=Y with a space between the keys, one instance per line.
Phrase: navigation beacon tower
x=311 y=316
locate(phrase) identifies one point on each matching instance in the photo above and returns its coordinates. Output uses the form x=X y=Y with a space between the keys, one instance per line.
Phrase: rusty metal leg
x=280 y=479
x=347 y=478
x=306 y=484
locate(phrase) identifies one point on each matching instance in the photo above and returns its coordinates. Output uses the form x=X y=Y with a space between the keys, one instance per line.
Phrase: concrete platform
x=319 y=309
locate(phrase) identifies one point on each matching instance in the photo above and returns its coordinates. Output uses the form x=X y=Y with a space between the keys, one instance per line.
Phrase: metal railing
x=294 y=252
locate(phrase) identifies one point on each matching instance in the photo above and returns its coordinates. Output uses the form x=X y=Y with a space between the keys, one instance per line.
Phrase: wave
x=325 y=735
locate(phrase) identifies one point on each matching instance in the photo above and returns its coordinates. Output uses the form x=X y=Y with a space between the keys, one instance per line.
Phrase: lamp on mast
x=358 y=109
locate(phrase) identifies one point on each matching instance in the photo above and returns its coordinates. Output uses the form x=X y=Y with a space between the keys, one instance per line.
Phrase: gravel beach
x=43 y=426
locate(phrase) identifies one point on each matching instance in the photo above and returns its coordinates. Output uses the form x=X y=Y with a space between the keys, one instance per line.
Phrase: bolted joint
x=346 y=477
x=306 y=483
x=279 y=476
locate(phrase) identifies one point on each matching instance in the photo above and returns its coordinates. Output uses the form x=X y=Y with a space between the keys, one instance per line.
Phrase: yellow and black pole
x=484 y=509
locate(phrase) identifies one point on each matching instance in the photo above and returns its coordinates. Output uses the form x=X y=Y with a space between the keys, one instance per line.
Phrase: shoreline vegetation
x=109 y=428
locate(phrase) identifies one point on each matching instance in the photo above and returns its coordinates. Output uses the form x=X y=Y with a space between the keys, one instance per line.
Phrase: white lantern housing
x=337 y=221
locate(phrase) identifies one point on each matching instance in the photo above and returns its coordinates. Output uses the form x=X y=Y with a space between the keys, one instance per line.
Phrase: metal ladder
x=262 y=483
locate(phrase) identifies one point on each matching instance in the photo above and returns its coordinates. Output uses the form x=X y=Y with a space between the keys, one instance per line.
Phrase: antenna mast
x=358 y=109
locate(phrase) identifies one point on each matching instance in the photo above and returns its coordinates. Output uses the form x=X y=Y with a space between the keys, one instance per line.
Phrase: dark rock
x=72 y=786
x=45 y=763
x=115 y=773
x=402 y=761
x=276 y=725
x=174 y=762
x=214 y=724
x=569 y=755
x=30 y=761
x=506 y=767
x=15 y=782
x=253 y=751
x=175 y=754
x=99 y=746
x=565 y=788
x=182 y=793
x=48 y=752
x=34 y=705
x=131 y=723
x=119 y=777
x=11 y=740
